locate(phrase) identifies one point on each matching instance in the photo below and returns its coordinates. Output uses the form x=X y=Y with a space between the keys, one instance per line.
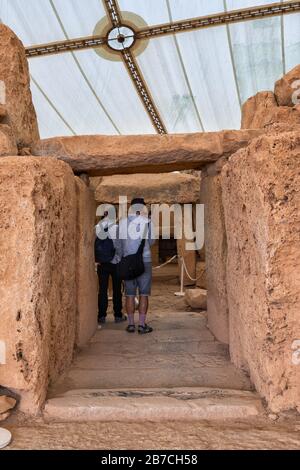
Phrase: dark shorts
x=141 y=285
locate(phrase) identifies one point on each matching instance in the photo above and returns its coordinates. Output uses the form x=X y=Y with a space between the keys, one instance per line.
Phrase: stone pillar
x=260 y=188
x=37 y=274
x=188 y=255
x=86 y=277
x=155 y=253
x=215 y=254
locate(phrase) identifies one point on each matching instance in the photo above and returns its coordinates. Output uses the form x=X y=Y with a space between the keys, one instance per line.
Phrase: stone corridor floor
x=258 y=433
x=180 y=352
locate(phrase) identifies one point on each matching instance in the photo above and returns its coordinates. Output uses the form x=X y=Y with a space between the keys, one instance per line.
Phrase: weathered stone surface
x=6 y=404
x=86 y=277
x=14 y=73
x=262 y=111
x=109 y=155
x=287 y=86
x=7 y=141
x=3 y=111
x=196 y=298
x=201 y=275
x=260 y=187
x=166 y=188
x=160 y=405
x=37 y=274
x=155 y=253
x=184 y=252
x=215 y=256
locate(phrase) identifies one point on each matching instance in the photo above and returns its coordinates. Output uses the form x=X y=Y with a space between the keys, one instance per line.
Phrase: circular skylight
x=120 y=38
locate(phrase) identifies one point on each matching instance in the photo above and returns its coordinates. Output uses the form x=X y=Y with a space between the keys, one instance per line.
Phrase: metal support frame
x=113 y=12
x=143 y=91
x=135 y=72
x=219 y=19
x=235 y=16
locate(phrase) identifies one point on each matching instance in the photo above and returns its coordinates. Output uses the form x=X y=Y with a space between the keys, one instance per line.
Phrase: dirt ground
x=281 y=432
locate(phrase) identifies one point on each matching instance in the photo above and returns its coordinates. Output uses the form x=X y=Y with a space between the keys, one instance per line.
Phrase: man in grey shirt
x=132 y=230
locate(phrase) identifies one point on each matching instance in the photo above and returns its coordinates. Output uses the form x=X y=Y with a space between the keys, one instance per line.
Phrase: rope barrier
x=167 y=262
x=187 y=273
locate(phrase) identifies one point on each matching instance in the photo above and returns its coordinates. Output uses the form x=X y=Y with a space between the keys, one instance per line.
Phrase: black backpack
x=104 y=249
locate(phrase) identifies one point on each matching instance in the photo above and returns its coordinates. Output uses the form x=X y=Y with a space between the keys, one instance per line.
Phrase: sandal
x=143 y=330
x=130 y=329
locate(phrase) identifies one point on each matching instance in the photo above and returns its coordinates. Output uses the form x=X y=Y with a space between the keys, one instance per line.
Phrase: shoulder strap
x=142 y=245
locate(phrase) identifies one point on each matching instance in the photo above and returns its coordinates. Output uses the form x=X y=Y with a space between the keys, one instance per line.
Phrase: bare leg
x=143 y=309
x=130 y=307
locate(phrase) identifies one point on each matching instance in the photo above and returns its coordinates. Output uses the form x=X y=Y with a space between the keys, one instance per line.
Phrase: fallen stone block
x=6 y=404
x=196 y=298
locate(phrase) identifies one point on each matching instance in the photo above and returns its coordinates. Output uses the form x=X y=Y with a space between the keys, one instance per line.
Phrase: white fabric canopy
x=198 y=80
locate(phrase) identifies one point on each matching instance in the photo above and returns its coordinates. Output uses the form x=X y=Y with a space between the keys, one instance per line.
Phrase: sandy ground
x=254 y=433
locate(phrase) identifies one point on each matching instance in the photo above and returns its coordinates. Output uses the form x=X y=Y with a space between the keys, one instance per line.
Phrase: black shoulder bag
x=132 y=266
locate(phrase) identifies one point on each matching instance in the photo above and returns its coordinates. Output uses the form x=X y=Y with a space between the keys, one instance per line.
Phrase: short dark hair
x=138 y=201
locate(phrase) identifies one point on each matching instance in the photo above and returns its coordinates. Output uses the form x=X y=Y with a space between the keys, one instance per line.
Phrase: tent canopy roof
x=197 y=79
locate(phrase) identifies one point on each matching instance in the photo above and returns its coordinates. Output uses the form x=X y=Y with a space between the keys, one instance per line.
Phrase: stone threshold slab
x=157 y=405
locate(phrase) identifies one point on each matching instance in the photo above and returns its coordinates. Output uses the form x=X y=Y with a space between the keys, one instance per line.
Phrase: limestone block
x=99 y=155
x=284 y=88
x=188 y=255
x=86 y=278
x=196 y=298
x=37 y=274
x=201 y=275
x=7 y=141
x=260 y=188
x=215 y=256
x=155 y=253
x=6 y=404
x=14 y=73
x=3 y=111
x=165 y=188
x=262 y=111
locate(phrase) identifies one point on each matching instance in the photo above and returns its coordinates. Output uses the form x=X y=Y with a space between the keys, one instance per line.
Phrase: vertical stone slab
x=17 y=98
x=155 y=253
x=86 y=277
x=189 y=256
x=215 y=256
x=261 y=198
x=37 y=274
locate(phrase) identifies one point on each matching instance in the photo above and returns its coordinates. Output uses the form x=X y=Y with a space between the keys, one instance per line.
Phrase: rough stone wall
x=7 y=141
x=86 y=277
x=287 y=88
x=37 y=273
x=215 y=255
x=14 y=72
x=260 y=189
